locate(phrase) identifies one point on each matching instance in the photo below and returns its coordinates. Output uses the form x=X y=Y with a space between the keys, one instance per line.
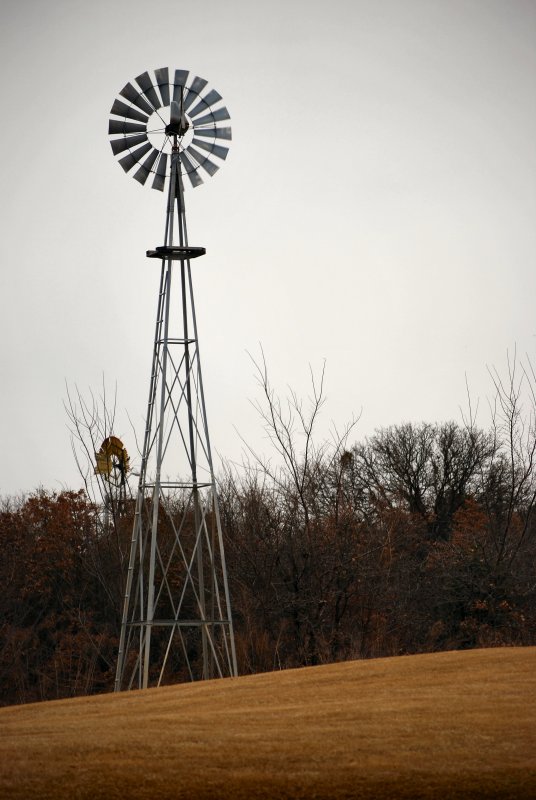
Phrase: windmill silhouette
x=176 y=621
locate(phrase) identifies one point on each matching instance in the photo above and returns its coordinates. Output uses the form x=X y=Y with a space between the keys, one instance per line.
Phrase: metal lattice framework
x=177 y=620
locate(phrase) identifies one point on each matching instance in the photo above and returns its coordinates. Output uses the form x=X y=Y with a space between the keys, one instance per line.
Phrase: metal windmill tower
x=176 y=615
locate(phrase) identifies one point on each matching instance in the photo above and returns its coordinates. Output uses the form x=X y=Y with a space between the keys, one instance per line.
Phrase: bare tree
x=91 y=422
x=290 y=425
x=427 y=469
x=513 y=472
x=299 y=500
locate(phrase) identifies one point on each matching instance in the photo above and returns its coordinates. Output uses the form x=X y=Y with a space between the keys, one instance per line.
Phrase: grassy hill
x=445 y=725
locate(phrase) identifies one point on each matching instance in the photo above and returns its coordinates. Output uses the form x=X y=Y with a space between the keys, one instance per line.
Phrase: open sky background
x=377 y=210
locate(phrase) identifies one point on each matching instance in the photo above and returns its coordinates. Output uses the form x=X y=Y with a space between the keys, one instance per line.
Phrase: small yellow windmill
x=113 y=465
x=113 y=461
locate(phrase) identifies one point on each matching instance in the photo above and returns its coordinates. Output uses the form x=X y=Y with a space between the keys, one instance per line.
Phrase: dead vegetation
x=445 y=725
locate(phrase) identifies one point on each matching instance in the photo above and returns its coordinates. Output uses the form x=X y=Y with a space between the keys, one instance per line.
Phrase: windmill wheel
x=148 y=118
x=112 y=461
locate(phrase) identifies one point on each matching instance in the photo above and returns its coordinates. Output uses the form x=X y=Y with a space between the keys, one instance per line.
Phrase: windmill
x=176 y=620
x=112 y=465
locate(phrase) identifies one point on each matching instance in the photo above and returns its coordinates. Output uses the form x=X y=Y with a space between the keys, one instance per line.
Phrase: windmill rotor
x=160 y=110
x=112 y=461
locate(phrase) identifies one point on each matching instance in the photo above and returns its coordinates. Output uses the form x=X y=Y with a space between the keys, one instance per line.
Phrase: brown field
x=446 y=725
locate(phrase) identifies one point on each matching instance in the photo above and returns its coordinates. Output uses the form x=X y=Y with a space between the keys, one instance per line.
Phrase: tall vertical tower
x=176 y=622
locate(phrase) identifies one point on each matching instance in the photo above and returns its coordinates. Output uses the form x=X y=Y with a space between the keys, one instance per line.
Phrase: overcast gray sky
x=376 y=210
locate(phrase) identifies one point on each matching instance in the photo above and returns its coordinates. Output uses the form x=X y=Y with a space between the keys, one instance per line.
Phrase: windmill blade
x=215 y=133
x=195 y=179
x=127 y=162
x=191 y=170
x=120 y=126
x=162 y=78
x=217 y=149
x=193 y=176
x=198 y=84
x=210 y=99
x=122 y=110
x=119 y=145
x=204 y=161
x=130 y=93
x=160 y=177
x=144 y=171
x=188 y=165
x=145 y=83
x=212 y=117
x=181 y=76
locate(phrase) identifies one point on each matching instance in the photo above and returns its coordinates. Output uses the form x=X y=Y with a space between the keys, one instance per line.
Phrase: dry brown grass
x=446 y=725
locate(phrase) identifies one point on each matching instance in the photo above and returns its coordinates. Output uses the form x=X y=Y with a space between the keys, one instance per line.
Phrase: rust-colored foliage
x=56 y=637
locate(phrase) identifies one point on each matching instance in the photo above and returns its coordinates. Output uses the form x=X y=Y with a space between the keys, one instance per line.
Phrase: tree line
x=419 y=538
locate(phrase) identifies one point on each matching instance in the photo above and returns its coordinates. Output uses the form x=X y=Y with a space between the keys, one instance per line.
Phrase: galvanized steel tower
x=176 y=620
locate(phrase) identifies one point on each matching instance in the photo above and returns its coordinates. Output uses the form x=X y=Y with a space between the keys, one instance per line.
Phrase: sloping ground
x=446 y=725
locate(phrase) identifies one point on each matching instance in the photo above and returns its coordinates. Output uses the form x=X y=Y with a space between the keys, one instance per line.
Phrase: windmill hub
x=162 y=136
x=177 y=127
